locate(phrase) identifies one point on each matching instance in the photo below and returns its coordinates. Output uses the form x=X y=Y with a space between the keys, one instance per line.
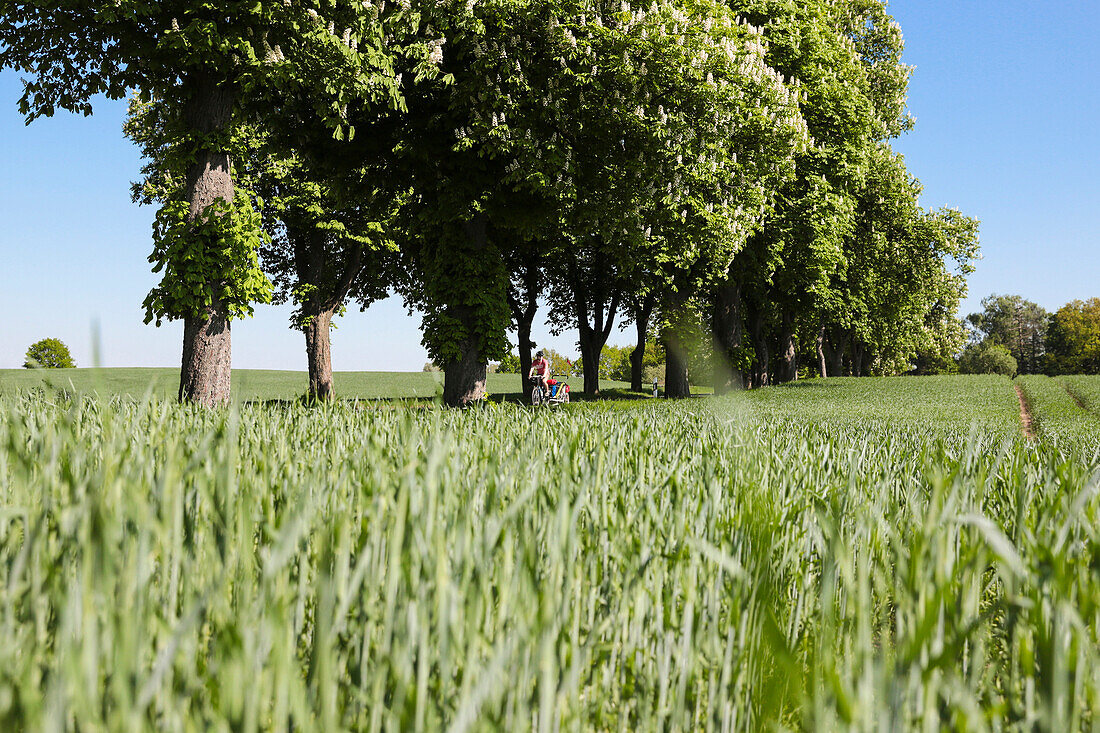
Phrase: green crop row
x=718 y=564
x=1058 y=418
x=1085 y=390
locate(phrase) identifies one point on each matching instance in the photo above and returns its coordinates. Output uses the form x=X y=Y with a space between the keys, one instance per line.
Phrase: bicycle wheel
x=536 y=396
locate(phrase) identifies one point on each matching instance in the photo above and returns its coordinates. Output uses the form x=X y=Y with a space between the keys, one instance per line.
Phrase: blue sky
x=1005 y=95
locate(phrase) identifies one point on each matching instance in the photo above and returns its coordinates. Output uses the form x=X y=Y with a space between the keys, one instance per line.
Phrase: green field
x=262 y=385
x=1065 y=410
x=875 y=554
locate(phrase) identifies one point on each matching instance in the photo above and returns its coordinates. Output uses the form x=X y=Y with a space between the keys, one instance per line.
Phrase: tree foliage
x=1015 y=323
x=1073 y=342
x=720 y=169
x=49 y=353
x=987 y=357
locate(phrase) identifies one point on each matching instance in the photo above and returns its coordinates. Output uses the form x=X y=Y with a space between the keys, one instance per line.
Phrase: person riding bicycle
x=540 y=371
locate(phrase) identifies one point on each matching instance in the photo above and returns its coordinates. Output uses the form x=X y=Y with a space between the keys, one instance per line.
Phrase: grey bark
x=319 y=354
x=314 y=268
x=207 y=363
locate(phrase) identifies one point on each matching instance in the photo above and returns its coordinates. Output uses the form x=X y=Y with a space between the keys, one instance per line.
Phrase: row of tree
x=685 y=166
x=1013 y=335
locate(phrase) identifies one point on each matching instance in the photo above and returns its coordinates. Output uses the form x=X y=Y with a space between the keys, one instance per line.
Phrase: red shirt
x=540 y=366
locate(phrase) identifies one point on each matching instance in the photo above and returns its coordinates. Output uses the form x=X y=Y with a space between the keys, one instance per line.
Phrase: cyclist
x=540 y=370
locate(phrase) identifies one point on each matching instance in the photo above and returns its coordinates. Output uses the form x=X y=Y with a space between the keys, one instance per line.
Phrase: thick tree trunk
x=821 y=365
x=525 y=306
x=525 y=355
x=207 y=358
x=857 y=359
x=726 y=323
x=760 y=365
x=788 y=352
x=839 y=347
x=207 y=347
x=464 y=379
x=591 y=345
x=592 y=336
x=314 y=265
x=637 y=356
x=637 y=364
x=676 y=366
x=319 y=354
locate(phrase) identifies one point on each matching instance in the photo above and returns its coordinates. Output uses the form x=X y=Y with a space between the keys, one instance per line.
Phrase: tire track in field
x=1073 y=396
x=1025 y=414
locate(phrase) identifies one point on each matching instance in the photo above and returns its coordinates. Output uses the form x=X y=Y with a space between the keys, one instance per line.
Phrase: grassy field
x=1085 y=390
x=251 y=385
x=1063 y=423
x=848 y=554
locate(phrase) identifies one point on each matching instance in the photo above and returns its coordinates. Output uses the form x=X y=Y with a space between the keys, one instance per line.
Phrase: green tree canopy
x=49 y=354
x=1016 y=323
x=214 y=62
x=1073 y=341
x=987 y=357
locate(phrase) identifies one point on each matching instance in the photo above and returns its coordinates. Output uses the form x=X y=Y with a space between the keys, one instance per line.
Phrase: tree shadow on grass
x=607 y=395
x=815 y=383
x=422 y=403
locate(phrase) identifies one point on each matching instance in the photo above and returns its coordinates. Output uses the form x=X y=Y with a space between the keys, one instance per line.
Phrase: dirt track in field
x=1025 y=414
x=1076 y=400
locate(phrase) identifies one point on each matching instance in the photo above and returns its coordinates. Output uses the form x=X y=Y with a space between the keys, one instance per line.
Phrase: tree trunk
x=207 y=361
x=821 y=365
x=857 y=359
x=837 y=351
x=788 y=353
x=637 y=364
x=524 y=308
x=676 y=366
x=728 y=333
x=464 y=379
x=591 y=346
x=319 y=354
x=760 y=365
x=592 y=336
x=637 y=356
x=525 y=356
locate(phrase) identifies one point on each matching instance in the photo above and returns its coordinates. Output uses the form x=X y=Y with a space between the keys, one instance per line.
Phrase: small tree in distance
x=49 y=354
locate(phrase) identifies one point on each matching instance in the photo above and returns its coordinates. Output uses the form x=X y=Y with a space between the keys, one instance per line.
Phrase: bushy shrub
x=987 y=358
x=49 y=354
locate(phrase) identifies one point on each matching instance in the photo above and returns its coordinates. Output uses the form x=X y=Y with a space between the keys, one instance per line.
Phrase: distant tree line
x=717 y=175
x=1013 y=335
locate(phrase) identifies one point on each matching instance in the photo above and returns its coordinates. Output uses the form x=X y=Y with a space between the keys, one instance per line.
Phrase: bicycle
x=555 y=393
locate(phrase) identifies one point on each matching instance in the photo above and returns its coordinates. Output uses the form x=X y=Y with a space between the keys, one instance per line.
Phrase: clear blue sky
x=1006 y=99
